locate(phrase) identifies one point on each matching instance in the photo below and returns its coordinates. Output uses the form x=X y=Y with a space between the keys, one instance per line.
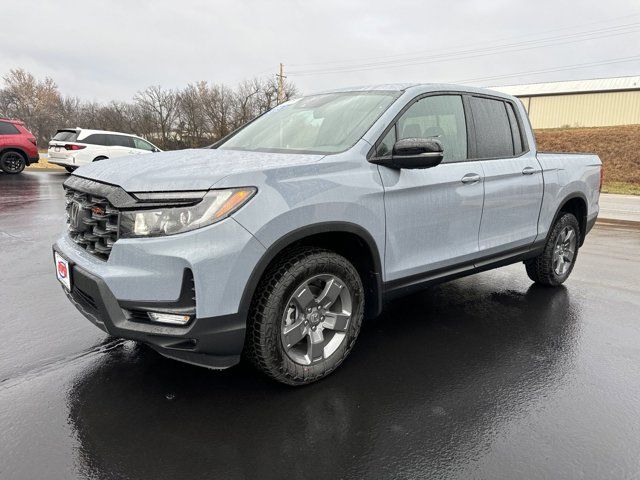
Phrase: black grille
x=93 y=222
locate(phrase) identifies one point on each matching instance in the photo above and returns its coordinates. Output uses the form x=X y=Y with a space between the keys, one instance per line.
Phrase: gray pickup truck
x=277 y=241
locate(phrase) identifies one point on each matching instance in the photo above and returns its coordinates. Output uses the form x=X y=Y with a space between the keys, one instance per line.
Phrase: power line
x=481 y=52
x=339 y=63
x=550 y=70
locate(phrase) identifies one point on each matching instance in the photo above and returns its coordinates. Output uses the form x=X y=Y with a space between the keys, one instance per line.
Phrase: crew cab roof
x=418 y=88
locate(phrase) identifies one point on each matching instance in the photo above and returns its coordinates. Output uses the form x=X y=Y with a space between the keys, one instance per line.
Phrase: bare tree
x=218 y=102
x=38 y=103
x=160 y=105
x=195 y=116
x=193 y=125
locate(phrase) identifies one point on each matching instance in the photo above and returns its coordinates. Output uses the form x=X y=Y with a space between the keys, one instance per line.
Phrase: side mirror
x=415 y=153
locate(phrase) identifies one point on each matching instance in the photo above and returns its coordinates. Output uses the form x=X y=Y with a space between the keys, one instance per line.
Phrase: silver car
x=277 y=241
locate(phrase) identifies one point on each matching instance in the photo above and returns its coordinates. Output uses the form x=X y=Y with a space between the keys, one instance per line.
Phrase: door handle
x=528 y=171
x=470 y=178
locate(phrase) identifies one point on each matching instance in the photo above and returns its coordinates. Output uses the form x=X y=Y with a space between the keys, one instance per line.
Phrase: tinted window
x=515 y=130
x=66 y=136
x=121 y=141
x=441 y=117
x=96 y=139
x=386 y=145
x=142 y=145
x=493 y=131
x=8 y=129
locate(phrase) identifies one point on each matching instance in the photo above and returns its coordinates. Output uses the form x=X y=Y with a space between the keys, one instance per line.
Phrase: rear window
x=515 y=130
x=7 y=128
x=96 y=139
x=121 y=141
x=66 y=136
x=493 y=130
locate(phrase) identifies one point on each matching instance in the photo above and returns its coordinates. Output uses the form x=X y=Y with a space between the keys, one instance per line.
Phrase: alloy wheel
x=316 y=319
x=564 y=251
x=12 y=162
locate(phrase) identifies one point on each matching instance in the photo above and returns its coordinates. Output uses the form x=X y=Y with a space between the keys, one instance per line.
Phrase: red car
x=18 y=147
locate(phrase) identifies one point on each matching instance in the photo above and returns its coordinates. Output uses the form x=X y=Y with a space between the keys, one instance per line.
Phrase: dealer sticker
x=63 y=271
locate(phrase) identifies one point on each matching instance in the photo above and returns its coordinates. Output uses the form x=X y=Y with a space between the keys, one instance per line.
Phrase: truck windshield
x=328 y=123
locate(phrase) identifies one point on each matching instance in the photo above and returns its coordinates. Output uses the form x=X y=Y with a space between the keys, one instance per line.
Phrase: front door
x=432 y=215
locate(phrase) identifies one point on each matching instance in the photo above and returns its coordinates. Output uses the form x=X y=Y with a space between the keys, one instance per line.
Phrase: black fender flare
x=303 y=232
x=562 y=204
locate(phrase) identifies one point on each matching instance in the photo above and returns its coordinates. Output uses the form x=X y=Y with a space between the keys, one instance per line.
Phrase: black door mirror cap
x=414 y=153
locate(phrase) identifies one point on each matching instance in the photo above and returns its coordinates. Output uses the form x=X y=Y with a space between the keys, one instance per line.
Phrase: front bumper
x=209 y=342
x=142 y=274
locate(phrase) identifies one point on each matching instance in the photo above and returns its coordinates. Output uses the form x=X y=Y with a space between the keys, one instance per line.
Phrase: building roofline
x=572 y=87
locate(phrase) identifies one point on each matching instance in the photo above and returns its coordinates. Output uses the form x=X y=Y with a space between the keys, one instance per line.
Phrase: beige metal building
x=584 y=103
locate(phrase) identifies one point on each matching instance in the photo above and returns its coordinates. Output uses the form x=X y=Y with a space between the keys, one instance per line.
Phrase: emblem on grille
x=76 y=214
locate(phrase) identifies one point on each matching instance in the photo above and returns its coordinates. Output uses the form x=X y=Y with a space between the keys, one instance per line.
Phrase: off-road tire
x=263 y=344
x=540 y=269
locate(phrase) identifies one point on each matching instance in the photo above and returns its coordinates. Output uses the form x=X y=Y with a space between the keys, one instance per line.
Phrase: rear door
x=121 y=145
x=432 y=215
x=512 y=176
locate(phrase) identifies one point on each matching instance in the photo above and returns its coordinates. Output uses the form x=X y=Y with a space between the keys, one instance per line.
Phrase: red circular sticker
x=62 y=269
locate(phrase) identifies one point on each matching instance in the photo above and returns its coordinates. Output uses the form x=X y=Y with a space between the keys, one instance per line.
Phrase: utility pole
x=281 y=78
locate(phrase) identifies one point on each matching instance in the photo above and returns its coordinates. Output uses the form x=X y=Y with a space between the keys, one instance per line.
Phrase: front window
x=328 y=123
x=440 y=117
x=142 y=145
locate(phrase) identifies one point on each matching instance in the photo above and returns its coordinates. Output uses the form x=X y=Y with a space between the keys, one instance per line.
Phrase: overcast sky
x=111 y=49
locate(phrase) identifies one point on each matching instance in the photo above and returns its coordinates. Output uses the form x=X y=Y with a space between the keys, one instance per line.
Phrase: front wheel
x=12 y=162
x=554 y=265
x=305 y=316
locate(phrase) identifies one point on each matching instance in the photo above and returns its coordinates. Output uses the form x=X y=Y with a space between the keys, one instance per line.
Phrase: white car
x=73 y=147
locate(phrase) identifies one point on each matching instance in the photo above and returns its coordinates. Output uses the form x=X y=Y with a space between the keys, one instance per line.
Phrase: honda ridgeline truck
x=275 y=242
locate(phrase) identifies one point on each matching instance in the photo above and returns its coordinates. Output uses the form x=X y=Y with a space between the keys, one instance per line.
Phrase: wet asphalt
x=484 y=377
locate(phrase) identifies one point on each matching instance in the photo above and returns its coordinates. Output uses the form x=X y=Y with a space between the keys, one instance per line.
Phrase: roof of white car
x=87 y=131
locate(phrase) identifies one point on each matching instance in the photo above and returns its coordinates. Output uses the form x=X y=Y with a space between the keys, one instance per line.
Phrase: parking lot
x=484 y=377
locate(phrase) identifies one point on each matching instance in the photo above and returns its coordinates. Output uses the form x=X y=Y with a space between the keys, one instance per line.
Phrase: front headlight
x=214 y=206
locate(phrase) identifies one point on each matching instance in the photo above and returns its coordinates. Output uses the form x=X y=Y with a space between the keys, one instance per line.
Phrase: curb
x=614 y=222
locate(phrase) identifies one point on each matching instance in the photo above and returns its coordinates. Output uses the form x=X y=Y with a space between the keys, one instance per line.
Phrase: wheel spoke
x=568 y=236
x=294 y=333
x=303 y=296
x=336 y=321
x=315 y=347
x=330 y=293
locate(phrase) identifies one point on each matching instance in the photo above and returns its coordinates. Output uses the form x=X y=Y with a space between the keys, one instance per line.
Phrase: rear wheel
x=305 y=316
x=12 y=162
x=554 y=265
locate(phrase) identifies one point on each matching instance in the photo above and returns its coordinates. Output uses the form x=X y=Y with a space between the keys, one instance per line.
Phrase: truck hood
x=195 y=169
